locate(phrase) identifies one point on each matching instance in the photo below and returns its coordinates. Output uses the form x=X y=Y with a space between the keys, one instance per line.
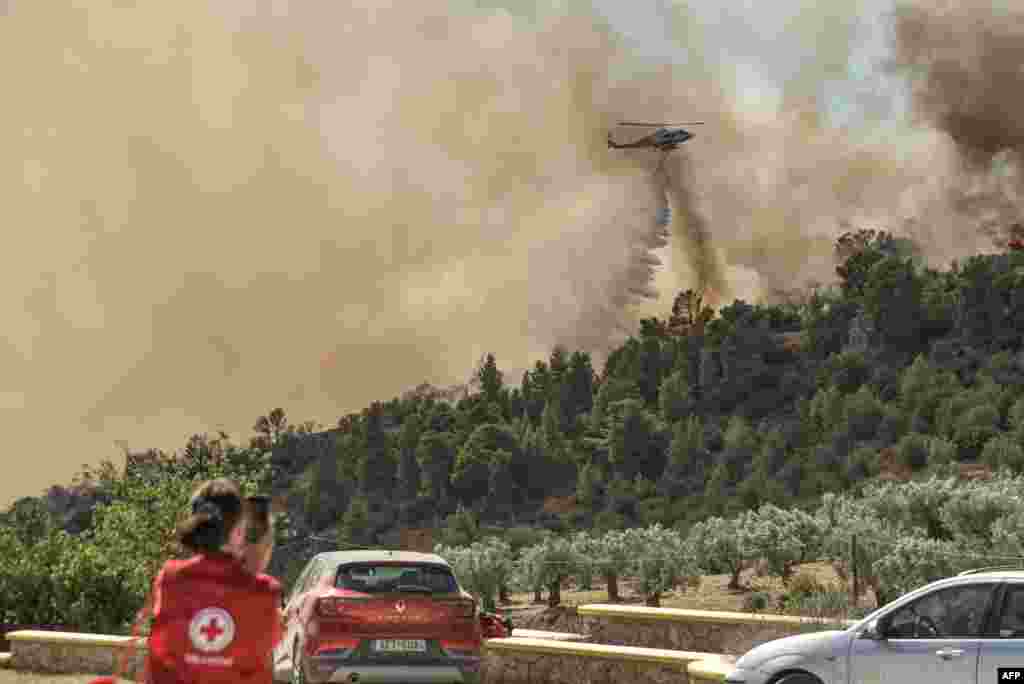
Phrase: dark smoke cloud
x=964 y=61
x=694 y=239
x=224 y=207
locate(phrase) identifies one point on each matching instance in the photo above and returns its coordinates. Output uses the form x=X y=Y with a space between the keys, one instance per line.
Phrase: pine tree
x=409 y=475
x=588 y=485
x=685 y=458
x=559 y=367
x=490 y=380
x=378 y=465
x=355 y=525
x=324 y=491
x=436 y=457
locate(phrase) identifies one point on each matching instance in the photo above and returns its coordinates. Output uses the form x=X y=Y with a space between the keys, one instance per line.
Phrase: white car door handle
x=948 y=653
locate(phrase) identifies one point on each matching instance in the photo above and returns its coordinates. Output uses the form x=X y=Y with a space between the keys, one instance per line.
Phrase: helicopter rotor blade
x=647 y=123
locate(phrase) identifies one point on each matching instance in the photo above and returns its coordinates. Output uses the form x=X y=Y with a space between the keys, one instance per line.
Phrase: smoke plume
x=218 y=208
x=964 y=64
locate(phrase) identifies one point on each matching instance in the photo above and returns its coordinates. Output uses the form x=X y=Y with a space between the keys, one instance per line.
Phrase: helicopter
x=665 y=139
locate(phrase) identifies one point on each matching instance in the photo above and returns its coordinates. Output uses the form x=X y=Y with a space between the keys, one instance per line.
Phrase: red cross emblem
x=212 y=630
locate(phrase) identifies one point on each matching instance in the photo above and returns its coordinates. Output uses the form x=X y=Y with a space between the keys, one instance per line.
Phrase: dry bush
x=805 y=583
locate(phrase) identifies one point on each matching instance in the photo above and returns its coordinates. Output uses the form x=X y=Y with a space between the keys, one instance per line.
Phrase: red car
x=382 y=616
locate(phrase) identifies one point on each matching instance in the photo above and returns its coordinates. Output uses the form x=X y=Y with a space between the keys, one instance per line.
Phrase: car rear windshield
x=377 y=578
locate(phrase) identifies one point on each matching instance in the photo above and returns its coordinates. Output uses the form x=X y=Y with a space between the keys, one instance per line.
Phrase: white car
x=959 y=630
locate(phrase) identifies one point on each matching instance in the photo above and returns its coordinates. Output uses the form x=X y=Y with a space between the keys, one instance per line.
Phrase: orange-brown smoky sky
x=213 y=209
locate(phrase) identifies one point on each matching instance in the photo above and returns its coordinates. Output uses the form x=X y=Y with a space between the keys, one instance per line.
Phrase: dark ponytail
x=216 y=509
x=261 y=524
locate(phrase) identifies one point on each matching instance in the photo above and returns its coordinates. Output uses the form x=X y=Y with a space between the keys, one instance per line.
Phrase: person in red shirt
x=214 y=620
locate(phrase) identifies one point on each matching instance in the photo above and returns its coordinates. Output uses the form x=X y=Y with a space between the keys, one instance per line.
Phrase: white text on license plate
x=401 y=645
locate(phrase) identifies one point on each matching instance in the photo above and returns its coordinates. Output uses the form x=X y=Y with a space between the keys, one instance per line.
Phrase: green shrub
x=863 y=413
x=862 y=463
x=971 y=441
x=521 y=537
x=576 y=520
x=912 y=450
x=482 y=567
x=643 y=488
x=461 y=528
x=830 y=605
x=606 y=521
x=97 y=581
x=1003 y=451
x=941 y=451
x=656 y=510
x=756 y=602
x=846 y=371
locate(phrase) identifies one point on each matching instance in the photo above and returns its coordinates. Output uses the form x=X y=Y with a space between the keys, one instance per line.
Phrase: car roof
x=996 y=574
x=380 y=556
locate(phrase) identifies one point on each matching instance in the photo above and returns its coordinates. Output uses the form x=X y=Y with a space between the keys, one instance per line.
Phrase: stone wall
x=66 y=658
x=709 y=637
x=537 y=668
x=498 y=666
x=730 y=639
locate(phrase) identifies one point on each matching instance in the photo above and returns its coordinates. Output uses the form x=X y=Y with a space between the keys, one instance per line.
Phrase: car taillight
x=330 y=607
x=461 y=649
x=335 y=646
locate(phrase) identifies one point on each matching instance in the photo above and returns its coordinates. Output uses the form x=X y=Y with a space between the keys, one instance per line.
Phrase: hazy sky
x=214 y=209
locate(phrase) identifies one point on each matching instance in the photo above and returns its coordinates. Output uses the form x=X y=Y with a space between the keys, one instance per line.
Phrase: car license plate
x=400 y=645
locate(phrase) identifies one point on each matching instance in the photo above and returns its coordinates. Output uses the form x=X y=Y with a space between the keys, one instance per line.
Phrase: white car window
x=1011 y=619
x=954 y=612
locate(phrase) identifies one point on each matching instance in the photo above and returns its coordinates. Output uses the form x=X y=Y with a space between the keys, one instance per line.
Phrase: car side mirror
x=874 y=630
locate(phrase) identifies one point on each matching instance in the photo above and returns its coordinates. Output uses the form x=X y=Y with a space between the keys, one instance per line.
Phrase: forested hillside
x=898 y=370
x=711 y=413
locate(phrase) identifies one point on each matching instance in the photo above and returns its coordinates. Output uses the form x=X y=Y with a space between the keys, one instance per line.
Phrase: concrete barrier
x=527 y=657
x=710 y=670
x=553 y=636
x=74 y=653
x=8 y=627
